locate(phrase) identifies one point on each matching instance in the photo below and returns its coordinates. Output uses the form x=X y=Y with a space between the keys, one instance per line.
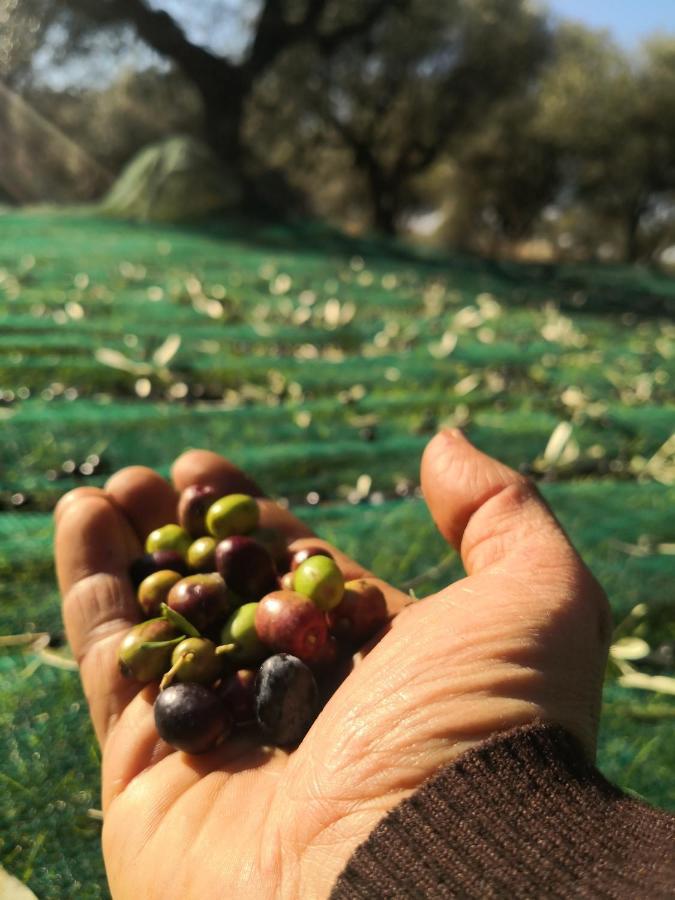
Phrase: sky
x=628 y=20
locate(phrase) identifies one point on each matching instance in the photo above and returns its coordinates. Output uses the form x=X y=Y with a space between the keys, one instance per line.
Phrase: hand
x=523 y=637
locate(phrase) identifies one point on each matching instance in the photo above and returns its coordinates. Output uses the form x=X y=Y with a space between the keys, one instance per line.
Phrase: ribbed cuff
x=523 y=815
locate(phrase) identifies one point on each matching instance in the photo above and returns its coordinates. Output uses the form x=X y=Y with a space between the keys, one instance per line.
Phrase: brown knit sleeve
x=523 y=815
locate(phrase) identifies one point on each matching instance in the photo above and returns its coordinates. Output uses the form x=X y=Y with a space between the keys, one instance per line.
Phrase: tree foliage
x=372 y=109
x=400 y=97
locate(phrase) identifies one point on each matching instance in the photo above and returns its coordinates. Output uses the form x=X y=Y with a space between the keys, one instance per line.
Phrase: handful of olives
x=238 y=631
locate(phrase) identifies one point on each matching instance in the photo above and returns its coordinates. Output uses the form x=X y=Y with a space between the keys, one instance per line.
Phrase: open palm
x=522 y=638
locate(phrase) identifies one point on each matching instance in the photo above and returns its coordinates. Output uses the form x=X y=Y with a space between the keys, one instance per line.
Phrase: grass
x=322 y=365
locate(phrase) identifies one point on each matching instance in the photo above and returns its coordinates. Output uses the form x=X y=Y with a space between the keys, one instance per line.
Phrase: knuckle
x=94 y=607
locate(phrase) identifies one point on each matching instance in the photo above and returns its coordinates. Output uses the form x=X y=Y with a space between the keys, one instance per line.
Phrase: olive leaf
x=659 y=684
x=157 y=645
x=179 y=621
x=117 y=360
x=166 y=351
x=630 y=648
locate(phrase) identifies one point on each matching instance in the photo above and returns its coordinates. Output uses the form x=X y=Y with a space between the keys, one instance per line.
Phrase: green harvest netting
x=322 y=365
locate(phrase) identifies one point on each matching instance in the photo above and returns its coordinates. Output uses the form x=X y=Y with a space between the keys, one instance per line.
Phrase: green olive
x=320 y=579
x=168 y=537
x=154 y=590
x=194 y=659
x=233 y=514
x=240 y=630
x=201 y=555
x=141 y=655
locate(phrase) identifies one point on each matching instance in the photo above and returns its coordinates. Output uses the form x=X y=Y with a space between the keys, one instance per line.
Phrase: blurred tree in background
x=225 y=84
x=23 y=25
x=611 y=121
x=488 y=118
x=397 y=98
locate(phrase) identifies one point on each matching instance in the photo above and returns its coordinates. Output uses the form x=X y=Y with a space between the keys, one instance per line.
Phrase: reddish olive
x=360 y=614
x=287 y=621
x=201 y=599
x=195 y=501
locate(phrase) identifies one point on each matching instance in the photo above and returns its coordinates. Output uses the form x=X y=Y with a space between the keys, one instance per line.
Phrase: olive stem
x=175 y=668
x=225 y=648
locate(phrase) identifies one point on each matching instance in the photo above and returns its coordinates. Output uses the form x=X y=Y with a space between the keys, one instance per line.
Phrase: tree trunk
x=384 y=212
x=383 y=195
x=633 y=220
x=224 y=115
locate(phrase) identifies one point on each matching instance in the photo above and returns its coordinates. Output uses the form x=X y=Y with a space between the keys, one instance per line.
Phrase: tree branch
x=331 y=43
x=161 y=32
x=275 y=34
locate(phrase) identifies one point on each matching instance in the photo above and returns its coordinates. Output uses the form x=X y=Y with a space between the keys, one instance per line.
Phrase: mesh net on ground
x=322 y=365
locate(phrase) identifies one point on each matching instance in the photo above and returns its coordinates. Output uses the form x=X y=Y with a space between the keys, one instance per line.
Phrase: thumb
x=489 y=512
x=527 y=582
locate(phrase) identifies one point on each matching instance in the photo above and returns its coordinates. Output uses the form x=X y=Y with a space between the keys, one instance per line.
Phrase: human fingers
x=95 y=544
x=147 y=500
x=529 y=594
x=204 y=467
x=490 y=513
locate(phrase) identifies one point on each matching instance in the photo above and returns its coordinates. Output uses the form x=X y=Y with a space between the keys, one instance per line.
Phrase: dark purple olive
x=360 y=614
x=193 y=505
x=139 y=661
x=246 y=566
x=201 y=599
x=150 y=563
x=301 y=555
x=287 y=699
x=291 y=623
x=237 y=692
x=192 y=718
